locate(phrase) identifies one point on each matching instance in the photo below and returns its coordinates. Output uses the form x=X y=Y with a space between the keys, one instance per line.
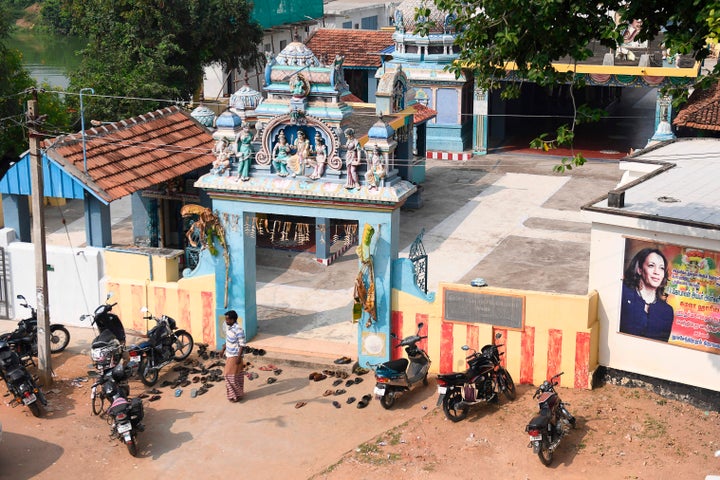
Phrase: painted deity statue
x=281 y=153
x=302 y=152
x=221 y=150
x=320 y=157
x=244 y=152
x=376 y=169
x=352 y=159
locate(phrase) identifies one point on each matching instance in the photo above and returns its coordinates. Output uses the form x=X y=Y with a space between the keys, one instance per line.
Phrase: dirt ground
x=622 y=433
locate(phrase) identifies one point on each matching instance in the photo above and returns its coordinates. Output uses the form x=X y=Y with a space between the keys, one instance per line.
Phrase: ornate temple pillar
x=663 y=116
x=480 y=124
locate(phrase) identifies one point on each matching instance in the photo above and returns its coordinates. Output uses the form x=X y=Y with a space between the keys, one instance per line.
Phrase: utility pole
x=41 y=299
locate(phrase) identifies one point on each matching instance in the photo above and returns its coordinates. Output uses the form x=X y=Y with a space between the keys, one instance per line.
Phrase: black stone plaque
x=492 y=309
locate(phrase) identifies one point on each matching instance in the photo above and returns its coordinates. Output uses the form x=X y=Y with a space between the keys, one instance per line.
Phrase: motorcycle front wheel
x=507 y=385
x=59 y=339
x=132 y=445
x=98 y=402
x=148 y=375
x=544 y=454
x=388 y=400
x=183 y=345
x=453 y=407
x=35 y=409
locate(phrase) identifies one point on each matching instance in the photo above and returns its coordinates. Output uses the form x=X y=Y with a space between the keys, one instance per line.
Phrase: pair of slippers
x=336 y=373
x=315 y=376
x=300 y=404
x=154 y=398
x=343 y=361
x=271 y=380
x=364 y=401
x=354 y=381
x=337 y=392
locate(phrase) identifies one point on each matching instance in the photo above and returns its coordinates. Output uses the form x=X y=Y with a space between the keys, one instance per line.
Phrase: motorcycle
x=20 y=384
x=554 y=422
x=165 y=343
x=480 y=383
x=124 y=416
x=24 y=338
x=108 y=347
x=395 y=377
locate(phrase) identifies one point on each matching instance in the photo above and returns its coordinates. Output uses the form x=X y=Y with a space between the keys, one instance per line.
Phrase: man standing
x=234 y=343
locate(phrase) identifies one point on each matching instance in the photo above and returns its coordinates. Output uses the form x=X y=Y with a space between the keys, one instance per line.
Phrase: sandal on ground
x=300 y=404
x=364 y=401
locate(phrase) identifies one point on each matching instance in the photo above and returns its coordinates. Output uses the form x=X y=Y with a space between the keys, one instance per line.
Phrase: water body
x=47 y=57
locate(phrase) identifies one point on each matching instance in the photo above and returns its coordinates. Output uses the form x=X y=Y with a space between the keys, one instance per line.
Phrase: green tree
x=149 y=49
x=534 y=34
x=14 y=80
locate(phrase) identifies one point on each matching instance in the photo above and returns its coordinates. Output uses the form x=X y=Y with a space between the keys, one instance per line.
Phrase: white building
x=671 y=204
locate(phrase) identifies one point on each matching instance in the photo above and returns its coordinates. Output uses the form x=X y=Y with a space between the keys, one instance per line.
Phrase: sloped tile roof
x=360 y=47
x=351 y=98
x=702 y=110
x=421 y=113
x=130 y=155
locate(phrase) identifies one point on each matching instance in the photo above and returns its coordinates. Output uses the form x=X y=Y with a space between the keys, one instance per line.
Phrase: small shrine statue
x=302 y=152
x=352 y=159
x=320 y=157
x=244 y=151
x=298 y=86
x=222 y=153
x=281 y=153
x=376 y=169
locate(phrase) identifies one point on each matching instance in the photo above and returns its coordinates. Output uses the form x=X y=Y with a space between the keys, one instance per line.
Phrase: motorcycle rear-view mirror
x=498 y=335
x=420 y=325
x=465 y=347
x=109 y=295
x=144 y=310
x=20 y=297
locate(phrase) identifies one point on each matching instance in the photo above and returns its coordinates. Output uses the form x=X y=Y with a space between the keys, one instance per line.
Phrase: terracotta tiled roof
x=351 y=98
x=130 y=155
x=422 y=113
x=360 y=47
x=702 y=111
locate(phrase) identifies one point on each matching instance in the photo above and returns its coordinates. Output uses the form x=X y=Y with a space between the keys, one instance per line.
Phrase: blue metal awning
x=56 y=181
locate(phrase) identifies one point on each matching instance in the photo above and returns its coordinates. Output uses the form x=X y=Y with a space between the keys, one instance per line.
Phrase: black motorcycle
x=480 y=383
x=123 y=415
x=108 y=324
x=552 y=424
x=165 y=343
x=20 y=384
x=24 y=338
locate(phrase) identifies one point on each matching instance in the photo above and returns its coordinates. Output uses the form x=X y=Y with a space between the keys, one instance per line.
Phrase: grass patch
x=653 y=428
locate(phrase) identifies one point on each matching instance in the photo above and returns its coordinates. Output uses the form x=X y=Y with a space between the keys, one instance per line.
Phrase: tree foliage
x=532 y=34
x=14 y=80
x=152 y=49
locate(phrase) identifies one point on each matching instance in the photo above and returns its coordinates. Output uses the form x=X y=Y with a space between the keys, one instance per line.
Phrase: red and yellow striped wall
x=164 y=295
x=559 y=333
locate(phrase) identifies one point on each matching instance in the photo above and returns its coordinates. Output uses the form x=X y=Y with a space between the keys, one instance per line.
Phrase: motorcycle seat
x=399 y=365
x=450 y=377
x=539 y=422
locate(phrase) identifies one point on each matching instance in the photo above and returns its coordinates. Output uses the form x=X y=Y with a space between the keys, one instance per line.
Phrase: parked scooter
x=480 y=383
x=123 y=415
x=24 y=338
x=554 y=422
x=165 y=343
x=108 y=347
x=396 y=377
x=19 y=382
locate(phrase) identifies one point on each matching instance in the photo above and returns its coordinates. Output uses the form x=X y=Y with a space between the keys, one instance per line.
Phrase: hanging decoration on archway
x=204 y=232
x=364 y=291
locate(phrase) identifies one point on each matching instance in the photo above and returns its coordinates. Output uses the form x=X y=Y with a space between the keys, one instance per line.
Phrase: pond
x=47 y=57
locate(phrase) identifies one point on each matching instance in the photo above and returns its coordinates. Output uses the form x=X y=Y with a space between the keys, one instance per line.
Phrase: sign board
x=498 y=310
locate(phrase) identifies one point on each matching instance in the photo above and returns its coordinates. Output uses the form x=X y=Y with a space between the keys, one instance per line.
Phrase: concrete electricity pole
x=41 y=300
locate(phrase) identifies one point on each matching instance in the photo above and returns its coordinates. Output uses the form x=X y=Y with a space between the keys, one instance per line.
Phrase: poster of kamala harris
x=671 y=294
